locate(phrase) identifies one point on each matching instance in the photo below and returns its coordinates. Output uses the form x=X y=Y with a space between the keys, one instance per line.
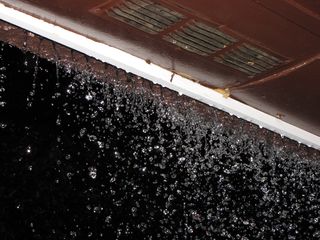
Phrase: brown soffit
x=221 y=44
x=293 y=97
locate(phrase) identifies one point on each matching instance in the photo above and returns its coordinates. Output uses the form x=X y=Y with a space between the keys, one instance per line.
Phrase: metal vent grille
x=249 y=60
x=200 y=38
x=145 y=15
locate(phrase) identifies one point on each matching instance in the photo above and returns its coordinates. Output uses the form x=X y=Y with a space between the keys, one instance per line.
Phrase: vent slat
x=143 y=18
x=210 y=35
x=256 y=56
x=234 y=66
x=240 y=64
x=159 y=10
x=245 y=49
x=213 y=31
x=204 y=38
x=245 y=60
x=249 y=60
x=124 y=17
x=146 y=12
x=189 y=45
x=145 y=15
x=197 y=41
x=182 y=44
x=207 y=42
x=264 y=54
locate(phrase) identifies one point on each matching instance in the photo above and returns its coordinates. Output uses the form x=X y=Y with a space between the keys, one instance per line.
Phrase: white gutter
x=156 y=74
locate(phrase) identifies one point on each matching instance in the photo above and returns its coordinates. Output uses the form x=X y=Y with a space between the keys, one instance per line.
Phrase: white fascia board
x=156 y=74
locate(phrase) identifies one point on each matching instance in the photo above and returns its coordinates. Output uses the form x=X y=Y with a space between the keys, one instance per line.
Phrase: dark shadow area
x=85 y=159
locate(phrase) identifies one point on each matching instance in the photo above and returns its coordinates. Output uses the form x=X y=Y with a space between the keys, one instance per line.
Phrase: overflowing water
x=82 y=158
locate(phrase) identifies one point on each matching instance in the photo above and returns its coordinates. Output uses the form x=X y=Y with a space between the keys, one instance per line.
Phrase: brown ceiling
x=266 y=51
x=293 y=97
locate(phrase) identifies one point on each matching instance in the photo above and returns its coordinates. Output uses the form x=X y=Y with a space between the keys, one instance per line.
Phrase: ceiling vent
x=200 y=38
x=191 y=34
x=147 y=16
x=249 y=60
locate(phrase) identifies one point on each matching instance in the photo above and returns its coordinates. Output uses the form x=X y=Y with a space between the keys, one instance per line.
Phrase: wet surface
x=86 y=159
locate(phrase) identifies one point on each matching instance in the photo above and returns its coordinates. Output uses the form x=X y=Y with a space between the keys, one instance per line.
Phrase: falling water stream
x=81 y=158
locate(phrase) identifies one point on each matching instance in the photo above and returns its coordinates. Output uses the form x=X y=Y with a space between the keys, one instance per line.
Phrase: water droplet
x=97 y=209
x=82 y=132
x=92 y=172
x=165 y=212
x=89 y=97
x=92 y=138
x=69 y=175
x=28 y=149
x=246 y=222
x=134 y=209
x=58 y=121
x=189 y=229
x=181 y=160
x=73 y=234
x=108 y=219
x=100 y=144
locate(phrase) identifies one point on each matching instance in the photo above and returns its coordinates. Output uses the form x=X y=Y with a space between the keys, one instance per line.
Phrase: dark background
x=81 y=158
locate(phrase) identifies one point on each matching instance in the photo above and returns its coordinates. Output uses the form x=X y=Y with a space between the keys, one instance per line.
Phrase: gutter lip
x=156 y=74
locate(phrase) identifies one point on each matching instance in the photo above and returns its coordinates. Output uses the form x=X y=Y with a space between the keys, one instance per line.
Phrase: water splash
x=125 y=165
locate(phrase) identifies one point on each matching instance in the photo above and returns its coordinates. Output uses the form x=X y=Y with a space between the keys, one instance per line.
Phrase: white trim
x=156 y=74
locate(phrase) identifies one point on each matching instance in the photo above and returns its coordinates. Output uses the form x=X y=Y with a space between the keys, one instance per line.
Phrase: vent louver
x=191 y=34
x=249 y=60
x=200 y=38
x=145 y=15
